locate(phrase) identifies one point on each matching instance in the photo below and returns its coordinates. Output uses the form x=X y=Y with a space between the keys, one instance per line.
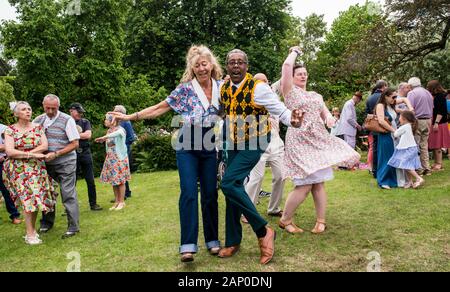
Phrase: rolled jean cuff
x=212 y=244
x=192 y=248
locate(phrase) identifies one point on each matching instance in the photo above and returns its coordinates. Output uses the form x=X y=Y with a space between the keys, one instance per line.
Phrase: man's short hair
x=237 y=51
x=52 y=97
x=415 y=82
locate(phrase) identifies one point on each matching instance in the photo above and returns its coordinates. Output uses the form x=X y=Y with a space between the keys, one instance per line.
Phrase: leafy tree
x=39 y=44
x=410 y=39
x=159 y=34
x=74 y=53
x=331 y=73
x=6 y=96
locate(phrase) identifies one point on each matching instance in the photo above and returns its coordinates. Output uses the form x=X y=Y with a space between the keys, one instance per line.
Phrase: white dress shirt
x=348 y=123
x=264 y=96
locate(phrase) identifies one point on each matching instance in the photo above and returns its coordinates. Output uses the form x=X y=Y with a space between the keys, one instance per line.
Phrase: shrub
x=154 y=152
x=6 y=96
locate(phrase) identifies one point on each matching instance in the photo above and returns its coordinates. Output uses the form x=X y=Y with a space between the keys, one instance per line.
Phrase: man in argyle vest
x=247 y=104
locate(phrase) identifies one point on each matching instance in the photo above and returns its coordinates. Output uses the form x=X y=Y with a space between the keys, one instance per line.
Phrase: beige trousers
x=421 y=136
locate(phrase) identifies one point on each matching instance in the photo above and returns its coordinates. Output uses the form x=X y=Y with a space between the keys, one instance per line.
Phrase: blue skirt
x=407 y=159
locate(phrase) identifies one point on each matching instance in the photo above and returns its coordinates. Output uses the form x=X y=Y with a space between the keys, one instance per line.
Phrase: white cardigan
x=406 y=136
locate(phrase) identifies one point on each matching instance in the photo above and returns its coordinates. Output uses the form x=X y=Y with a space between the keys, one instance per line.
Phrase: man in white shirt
x=348 y=125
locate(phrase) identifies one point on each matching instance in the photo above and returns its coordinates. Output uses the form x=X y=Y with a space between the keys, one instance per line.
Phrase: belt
x=424 y=119
x=83 y=150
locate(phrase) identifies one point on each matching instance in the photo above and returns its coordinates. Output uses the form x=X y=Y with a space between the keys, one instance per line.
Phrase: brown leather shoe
x=187 y=257
x=267 y=246
x=228 y=252
x=278 y=214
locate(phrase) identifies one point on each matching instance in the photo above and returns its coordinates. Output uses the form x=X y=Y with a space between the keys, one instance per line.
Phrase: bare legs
x=119 y=194
x=32 y=237
x=413 y=174
x=30 y=223
x=297 y=197
x=437 y=159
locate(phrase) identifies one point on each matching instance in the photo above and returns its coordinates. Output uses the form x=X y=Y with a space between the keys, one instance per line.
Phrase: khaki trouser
x=422 y=134
x=274 y=156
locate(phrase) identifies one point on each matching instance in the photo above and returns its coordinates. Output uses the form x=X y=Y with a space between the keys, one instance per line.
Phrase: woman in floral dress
x=25 y=174
x=116 y=169
x=310 y=150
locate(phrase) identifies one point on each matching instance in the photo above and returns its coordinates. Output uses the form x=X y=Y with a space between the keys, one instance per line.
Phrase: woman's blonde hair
x=194 y=53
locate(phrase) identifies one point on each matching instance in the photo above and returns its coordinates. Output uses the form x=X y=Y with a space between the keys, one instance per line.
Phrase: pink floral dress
x=115 y=171
x=27 y=180
x=310 y=150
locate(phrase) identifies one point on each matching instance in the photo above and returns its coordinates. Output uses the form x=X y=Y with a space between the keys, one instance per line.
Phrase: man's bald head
x=261 y=77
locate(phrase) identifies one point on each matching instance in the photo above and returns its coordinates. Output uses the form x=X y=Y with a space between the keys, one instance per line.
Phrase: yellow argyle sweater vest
x=245 y=119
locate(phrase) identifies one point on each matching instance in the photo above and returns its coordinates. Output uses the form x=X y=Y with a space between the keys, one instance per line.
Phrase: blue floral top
x=185 y=101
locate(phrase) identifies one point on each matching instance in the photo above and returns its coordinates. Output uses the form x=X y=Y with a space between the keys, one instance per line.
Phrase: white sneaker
x=34 y=240
x=36 y=234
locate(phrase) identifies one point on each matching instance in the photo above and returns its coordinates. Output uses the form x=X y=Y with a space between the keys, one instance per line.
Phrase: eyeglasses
x=234 y=63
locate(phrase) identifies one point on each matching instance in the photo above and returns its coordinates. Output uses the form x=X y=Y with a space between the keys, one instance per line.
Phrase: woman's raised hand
x=296 y=49
x=119 y=117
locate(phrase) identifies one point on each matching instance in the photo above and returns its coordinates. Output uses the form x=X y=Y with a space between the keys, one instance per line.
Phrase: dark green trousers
x=240 y=164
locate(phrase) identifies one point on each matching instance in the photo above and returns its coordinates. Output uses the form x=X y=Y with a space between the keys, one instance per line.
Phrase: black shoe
x=264 y=194
x=69 y=234
x=44 y=229
x=96 y=208
x=427 y=172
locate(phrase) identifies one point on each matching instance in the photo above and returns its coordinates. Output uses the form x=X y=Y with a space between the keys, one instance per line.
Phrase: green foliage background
x=132 y=52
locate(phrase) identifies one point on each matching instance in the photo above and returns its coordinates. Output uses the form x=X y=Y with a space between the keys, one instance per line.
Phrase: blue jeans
x=193 y=167
x=10 y=207
x=127 y=186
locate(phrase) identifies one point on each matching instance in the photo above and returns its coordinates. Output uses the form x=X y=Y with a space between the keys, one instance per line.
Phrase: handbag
x=372 y=125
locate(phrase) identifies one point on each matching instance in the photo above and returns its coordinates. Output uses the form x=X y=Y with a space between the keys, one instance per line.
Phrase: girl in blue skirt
x=406 y=154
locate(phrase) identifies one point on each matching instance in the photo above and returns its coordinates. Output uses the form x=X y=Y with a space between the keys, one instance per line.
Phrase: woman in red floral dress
x=25 y=174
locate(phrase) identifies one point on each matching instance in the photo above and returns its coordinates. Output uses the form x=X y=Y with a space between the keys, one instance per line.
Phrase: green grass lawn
x=409 y=229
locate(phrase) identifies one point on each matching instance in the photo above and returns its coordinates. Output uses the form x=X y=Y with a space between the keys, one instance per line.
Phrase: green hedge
x=154 y=152
x=6 y=96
